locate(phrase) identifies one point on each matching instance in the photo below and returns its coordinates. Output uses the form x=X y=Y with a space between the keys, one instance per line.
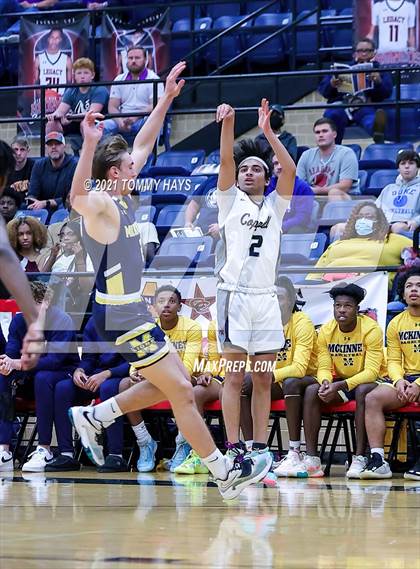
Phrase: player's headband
x=257 y=159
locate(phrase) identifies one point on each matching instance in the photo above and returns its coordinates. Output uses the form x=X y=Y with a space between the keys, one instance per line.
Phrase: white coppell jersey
x=53 y=69
x=393 y=18
x=251 y=236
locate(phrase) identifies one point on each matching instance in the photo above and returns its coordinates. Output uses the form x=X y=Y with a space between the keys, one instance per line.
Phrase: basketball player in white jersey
x=53 y=66
x=395 y=21
x=248 y=314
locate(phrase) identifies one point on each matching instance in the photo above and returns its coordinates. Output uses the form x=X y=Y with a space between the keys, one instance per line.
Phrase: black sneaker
x=379 y=125
x=376 y=467
x=114 y=463
x=413 y=473
x=62 y=463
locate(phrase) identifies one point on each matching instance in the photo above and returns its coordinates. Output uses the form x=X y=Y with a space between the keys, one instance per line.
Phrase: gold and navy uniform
x=356 y=356
x=120 y=313
x=298 y=358
x=403 y=347
x=186 y=338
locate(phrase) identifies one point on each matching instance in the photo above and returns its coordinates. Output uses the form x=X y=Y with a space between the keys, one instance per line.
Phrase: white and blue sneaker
x=181 y=453
x=244 y=470
x=146 y=461
x=89 y=430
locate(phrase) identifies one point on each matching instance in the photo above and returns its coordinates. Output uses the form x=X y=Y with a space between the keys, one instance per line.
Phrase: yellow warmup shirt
x=362 y=252
x=403 y=346
x=186 y=338
x=299 y=355
x=356 y=356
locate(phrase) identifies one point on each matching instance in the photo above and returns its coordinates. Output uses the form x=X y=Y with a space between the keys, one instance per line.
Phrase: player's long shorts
x=350 y=394
x=131 y=328
x=409 y=378
x=249 y=321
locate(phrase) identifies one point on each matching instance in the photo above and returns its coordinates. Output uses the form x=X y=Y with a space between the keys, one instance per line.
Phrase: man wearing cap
x=350 y=361
x=51 y=176
x=286 y=138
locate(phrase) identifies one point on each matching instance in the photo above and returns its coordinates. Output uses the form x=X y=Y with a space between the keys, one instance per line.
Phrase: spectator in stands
x=53 y=229
x=9 y=204
x=403 y=386
x=350 y=361
x=186 y=336
x=98 y=375
x=295 y=370
x=207 y=389
x=19 y=179
x=51 y=176
x=68 y=257
x=132 y=99
x=401 y=201
x=59 y=359
x=16 y=6
x=372 y=119
x=298 y=215
x=286 y=138
x=79 y=100
x=330 y=169
x=28 y=238
x=366 y=241
x=202 y=210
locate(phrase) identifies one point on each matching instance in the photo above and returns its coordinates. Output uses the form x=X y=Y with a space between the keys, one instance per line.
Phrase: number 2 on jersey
x=257 y=241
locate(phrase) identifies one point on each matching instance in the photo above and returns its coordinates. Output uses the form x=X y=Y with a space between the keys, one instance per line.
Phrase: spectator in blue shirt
x=298 y=215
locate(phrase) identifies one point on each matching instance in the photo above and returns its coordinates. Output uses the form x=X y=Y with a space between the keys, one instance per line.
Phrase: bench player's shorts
x=410 y=378
x=249 y=321
x=132 y=331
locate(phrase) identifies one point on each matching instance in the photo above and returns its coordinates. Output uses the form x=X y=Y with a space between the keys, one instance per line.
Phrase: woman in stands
x=367 y=242
x=295 y=370
x=28 y=238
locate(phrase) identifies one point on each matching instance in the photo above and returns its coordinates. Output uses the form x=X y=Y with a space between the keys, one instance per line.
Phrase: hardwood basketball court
x=132 y=520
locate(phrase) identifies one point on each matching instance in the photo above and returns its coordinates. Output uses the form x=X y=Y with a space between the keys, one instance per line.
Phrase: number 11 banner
x=48 y=48
x=394 y=26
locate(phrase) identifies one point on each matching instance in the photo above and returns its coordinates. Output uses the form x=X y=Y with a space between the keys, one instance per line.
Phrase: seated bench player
x=403 y=387
x=208 y=388
x=295 y=369
x=98 y=375
x=185 y=336
x=54 y=365
x=350 y=361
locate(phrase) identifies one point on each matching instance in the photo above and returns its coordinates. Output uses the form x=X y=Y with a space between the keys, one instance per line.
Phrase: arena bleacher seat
x=184 y=252
x=363 y=178
x=381 y=156
x=213 y=157
x=175 y=189
x=378 y=180
x=177 y=162
x=59 y=215
x=274 y=50
x=335 y=212
x=225 y=9
x=357 y=149
x=145 y=213
x=308 y=245
x=169 y=216
x=231 y=45
x=40 y=214
x=253 y=6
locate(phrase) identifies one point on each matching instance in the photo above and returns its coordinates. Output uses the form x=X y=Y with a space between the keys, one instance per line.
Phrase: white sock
x=70 y=454
x=249 y=444
x=107 y=411
x=216 y=463
x=294 y=445
x=142 y=434
x=179 y=439
x=379 y=451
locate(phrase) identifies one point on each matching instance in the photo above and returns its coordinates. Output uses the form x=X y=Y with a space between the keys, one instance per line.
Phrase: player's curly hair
x=402 y=279
x=381 y=228
x=39 y=232
x=107 y=154
x=38 y=290
x=248 y=147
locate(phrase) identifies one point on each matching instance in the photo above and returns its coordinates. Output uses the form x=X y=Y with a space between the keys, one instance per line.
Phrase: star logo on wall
x=200 y=304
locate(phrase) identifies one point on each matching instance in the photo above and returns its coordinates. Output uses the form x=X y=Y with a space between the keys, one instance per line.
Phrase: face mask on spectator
x=364 y=226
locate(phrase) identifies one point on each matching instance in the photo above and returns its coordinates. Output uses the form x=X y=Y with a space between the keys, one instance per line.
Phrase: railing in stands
x=195 y=81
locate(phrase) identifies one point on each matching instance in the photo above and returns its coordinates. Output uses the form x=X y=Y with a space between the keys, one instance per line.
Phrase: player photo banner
x=393 y=25
x=48 y=47
x=199 y=297
x=151 y=33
